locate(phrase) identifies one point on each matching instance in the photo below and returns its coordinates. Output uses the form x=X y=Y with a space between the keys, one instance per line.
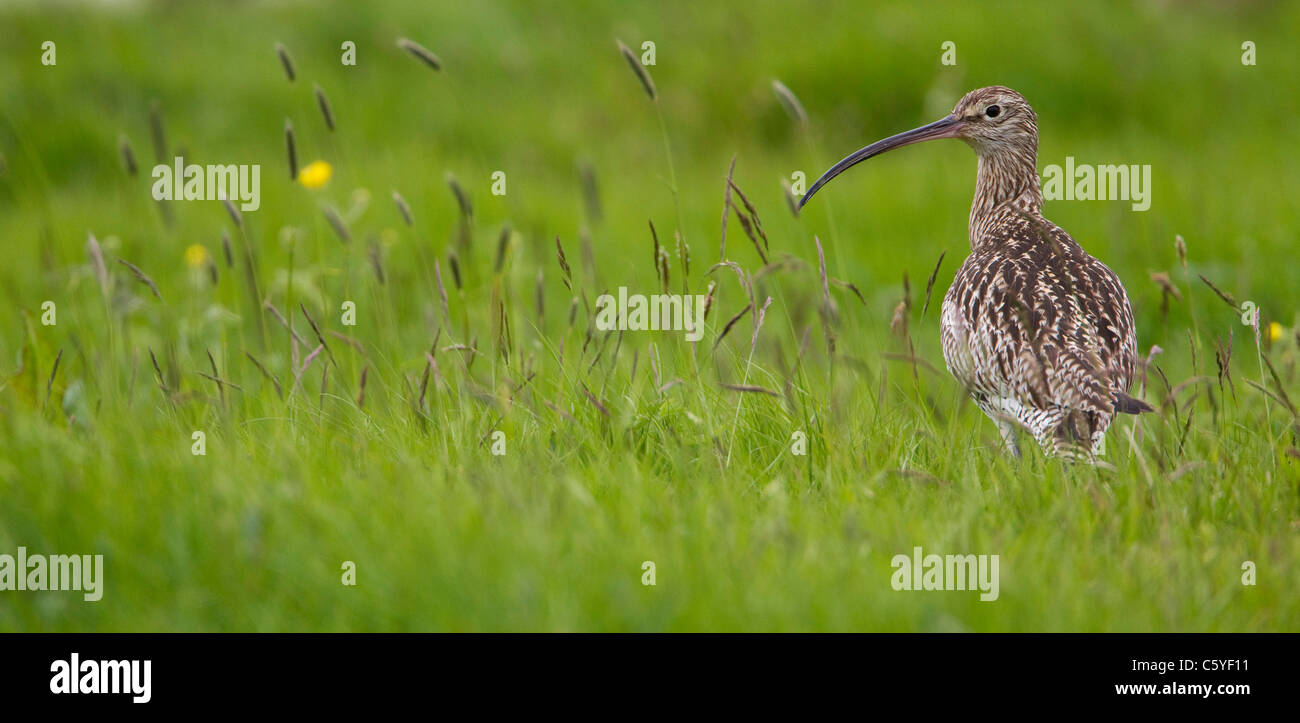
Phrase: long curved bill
x=945 y=127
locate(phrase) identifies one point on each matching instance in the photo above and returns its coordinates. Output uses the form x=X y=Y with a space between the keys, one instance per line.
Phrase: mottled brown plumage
x=1040 y=333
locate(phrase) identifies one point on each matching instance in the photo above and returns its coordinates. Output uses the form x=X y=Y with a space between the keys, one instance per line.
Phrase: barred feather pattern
x=1040 y=333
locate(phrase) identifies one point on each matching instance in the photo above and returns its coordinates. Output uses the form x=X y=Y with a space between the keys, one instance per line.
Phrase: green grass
x=697 y=478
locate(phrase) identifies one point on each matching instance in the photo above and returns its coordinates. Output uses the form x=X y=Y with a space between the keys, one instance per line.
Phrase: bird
x=1040 y=333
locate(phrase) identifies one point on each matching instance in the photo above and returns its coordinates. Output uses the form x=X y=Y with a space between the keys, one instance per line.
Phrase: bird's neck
x=1006 y=185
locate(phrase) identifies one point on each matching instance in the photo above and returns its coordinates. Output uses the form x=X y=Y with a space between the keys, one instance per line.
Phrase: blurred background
x=535 y=91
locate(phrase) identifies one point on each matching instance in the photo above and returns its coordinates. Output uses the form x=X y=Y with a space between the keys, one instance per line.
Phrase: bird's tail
x=1128 y=405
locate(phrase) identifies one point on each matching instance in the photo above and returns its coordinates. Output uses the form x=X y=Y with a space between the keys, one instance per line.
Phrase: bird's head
x=995 y=118
x=991 y=120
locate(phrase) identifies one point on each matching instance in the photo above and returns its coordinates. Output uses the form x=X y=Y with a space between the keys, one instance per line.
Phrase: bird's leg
x=1010 y=444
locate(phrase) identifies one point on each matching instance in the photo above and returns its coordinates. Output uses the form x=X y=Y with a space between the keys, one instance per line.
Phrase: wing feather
x=1038 y=320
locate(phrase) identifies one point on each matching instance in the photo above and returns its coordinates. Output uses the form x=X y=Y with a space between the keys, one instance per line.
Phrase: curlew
x=1039 y=332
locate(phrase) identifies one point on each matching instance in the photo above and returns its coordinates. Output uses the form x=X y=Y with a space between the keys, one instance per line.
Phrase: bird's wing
x=1041 y=323
x=1107 y=305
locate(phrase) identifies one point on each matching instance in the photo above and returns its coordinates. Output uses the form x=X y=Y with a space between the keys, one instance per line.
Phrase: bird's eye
x=992 y=111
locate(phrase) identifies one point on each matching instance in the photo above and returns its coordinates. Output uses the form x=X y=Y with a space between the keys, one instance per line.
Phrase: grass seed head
x=462 y=198
x=286 y=62
x=642 y=74
x=403 y=208
x=419 y=52
x=790 y=102
x=156 y=132
x=929 y=283
x=503 y=244
x=291 y=148
x=376 y=253
x=325 y=110
x=336 y=223
x=590 y=192
x=226 y=250
x=128 y=155
x=567 y=275
x=791 y=201
x=454 y=261
x=235 y=216
x=142 y=277
x=442 y=292
x=97 y=261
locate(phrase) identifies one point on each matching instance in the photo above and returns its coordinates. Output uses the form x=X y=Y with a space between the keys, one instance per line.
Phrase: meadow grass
x=373 y=443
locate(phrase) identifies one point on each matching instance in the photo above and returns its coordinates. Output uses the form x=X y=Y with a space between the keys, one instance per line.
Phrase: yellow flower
x=1274 y=331
x=315 y=174
x=195 y=256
